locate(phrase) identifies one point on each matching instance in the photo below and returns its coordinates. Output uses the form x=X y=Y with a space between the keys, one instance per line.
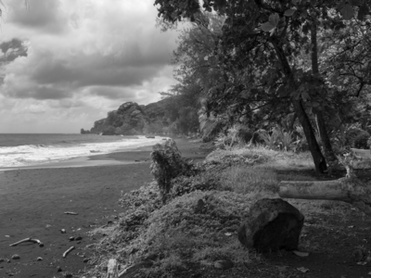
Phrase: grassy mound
x=197 y=223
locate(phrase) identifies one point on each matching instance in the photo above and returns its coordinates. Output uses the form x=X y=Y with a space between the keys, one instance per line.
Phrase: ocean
x=19 y=150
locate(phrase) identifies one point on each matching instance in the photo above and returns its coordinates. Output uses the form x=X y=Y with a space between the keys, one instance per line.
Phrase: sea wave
x=28 y=155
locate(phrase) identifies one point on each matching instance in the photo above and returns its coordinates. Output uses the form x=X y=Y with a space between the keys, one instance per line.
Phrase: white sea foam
x=27 y=155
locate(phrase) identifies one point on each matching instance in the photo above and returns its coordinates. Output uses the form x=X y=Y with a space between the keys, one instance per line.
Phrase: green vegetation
x=270 y=65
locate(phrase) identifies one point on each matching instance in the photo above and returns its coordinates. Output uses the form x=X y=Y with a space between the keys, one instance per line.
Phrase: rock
x=63 y=231
x=272 y=224
x=223 y=264
x=15 y=257
x=71 y=238
x=59 y=269
x=68 y=275
x=78 y=238
x=39 y=259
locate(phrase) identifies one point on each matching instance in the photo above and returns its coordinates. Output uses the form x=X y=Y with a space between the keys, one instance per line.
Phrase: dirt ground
x=33 y=203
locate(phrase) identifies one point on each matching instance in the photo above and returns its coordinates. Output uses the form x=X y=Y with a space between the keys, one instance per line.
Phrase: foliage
x=261 y=63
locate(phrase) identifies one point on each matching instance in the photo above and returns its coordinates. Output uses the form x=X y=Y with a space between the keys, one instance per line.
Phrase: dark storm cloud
x=126 y=68
x=38 y=92
x=91 y=70
x=13 y=49
x=43 y=15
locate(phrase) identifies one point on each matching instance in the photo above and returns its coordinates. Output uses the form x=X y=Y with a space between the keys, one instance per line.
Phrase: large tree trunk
x=323 y=133
x=350 y=190
x=318 y=157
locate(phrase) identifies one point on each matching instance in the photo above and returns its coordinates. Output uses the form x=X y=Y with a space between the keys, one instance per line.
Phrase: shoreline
x=119 y=157
x=34 y=202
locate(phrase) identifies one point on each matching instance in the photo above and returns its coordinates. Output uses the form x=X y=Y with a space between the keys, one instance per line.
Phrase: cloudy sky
x=66 y=63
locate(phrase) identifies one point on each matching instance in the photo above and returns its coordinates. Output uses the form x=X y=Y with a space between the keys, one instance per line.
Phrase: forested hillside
x=162 y=118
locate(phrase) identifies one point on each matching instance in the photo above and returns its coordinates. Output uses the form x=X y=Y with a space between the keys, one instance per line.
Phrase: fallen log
x=347 y=189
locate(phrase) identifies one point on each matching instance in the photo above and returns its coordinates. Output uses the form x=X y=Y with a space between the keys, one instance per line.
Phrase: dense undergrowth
x=194 y=224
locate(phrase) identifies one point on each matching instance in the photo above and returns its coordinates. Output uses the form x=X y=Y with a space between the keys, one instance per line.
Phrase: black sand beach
x=33 y=203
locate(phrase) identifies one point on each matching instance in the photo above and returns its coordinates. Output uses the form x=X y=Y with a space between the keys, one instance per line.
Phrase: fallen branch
x=38 y=242
x=350 y=190
x=28 y=239
x=70 y=213
x=68 y=250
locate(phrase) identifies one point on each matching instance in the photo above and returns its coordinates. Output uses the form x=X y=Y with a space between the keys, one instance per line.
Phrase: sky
x=65 y=63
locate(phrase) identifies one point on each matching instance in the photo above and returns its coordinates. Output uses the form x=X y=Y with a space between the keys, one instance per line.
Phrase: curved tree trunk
x=323 y=133
x=318 y=157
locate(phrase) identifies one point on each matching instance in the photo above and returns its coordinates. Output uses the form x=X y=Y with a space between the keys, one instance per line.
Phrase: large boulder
x=272 y=224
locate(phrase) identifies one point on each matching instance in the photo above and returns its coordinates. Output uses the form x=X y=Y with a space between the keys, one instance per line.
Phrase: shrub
x=357 y=138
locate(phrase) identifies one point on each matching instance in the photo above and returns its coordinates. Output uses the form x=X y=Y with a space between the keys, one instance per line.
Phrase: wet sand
x=33 y=202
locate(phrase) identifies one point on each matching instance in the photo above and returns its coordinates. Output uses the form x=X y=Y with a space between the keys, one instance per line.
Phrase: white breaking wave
x=27 y=155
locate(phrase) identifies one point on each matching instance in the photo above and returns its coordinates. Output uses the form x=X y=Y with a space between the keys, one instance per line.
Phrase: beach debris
x=63 y=231
x=39 y=259
x=303 y=269
x=70 y=213
x=68 y=250
x=15 y=257
x=223 y=264
x=68 y=275
x=300 y=253
x=28 y=239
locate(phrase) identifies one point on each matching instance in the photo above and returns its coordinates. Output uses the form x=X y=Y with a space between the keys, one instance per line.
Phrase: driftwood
x=68 y=250
x=348 y=189
x=70 y=213
x=28 y=239
x=112 y=268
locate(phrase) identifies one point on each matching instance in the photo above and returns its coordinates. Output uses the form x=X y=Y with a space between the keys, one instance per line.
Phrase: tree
x=259 y=49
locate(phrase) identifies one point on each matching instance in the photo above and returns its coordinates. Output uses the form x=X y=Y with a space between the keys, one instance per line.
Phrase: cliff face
x=132 y=119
